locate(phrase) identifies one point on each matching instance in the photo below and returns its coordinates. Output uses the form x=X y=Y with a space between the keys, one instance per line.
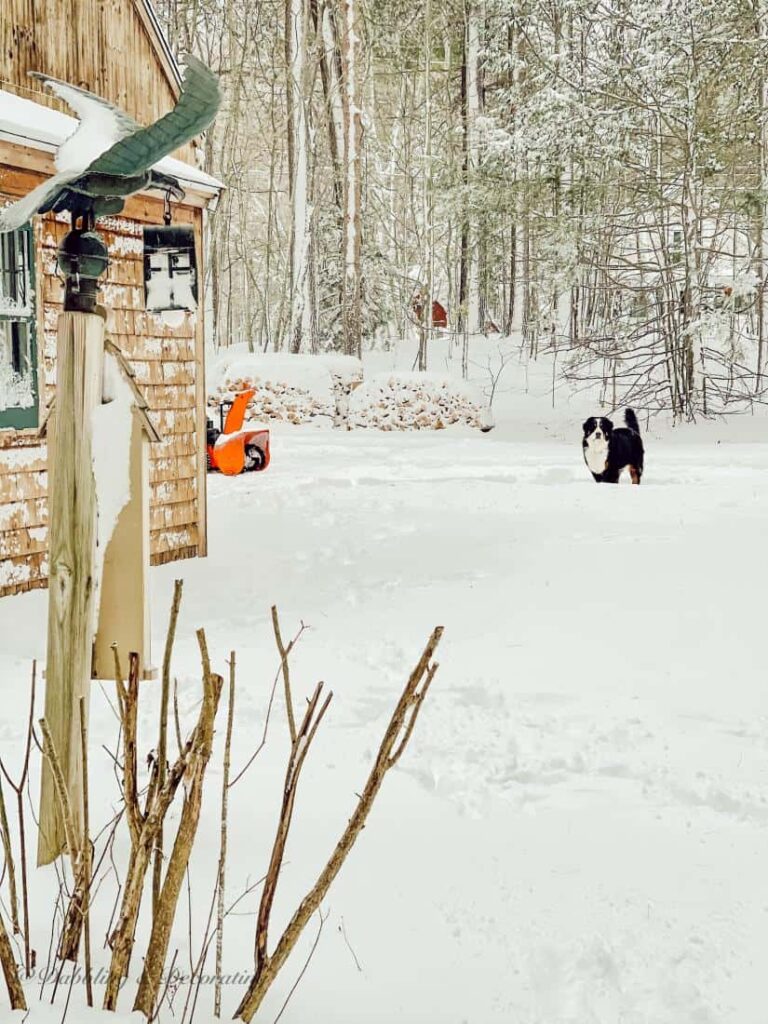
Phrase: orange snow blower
x=233 y=449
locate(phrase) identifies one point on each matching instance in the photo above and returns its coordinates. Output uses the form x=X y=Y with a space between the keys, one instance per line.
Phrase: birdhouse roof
x=140 y=404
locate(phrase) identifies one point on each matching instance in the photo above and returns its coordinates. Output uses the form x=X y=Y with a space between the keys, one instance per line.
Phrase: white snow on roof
x=31 y=124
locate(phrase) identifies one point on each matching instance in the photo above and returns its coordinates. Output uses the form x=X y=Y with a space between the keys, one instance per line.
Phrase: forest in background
x=587 y=178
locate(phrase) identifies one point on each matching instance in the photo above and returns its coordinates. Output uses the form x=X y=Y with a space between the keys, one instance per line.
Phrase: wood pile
x=289 y=388
x=411 y=401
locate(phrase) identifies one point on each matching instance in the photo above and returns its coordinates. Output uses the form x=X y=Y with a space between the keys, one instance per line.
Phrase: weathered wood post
x=73 y=586
x=97 y=597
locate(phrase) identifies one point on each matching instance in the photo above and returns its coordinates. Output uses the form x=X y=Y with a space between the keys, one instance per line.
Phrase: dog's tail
x=631 y=420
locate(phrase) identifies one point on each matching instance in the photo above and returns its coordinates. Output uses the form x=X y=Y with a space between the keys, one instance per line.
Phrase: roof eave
x=162 y=46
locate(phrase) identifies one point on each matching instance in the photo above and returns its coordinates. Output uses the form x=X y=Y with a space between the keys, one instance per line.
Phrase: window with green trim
x=18 y=345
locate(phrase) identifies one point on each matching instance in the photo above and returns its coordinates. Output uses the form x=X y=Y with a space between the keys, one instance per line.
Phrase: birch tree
x=296 y=29
x=473 y=21
x=351 y=73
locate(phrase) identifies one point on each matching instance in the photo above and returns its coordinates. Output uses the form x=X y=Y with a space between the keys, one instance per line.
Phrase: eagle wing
x=196 y=108
x=17 y=214
x=108 y=141
x=101 y=124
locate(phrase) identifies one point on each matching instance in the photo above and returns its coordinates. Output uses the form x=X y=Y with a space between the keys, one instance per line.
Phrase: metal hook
x=167 y=209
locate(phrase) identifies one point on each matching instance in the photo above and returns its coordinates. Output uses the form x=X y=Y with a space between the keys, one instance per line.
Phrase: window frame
x=29 y=417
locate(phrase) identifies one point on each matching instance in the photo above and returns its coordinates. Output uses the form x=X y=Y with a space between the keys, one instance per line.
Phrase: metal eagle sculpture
x=109 y=156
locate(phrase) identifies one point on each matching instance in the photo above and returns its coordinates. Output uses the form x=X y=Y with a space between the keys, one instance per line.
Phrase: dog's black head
x=597 y=428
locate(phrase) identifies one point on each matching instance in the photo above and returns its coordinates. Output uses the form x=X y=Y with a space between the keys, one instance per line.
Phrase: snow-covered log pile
x=417 y=401
x=292 y=388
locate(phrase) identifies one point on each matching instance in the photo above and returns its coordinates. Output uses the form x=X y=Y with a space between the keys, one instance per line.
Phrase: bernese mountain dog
x=608 y=450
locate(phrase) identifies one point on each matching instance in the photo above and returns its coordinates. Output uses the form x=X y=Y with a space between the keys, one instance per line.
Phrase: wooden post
x=72 y=554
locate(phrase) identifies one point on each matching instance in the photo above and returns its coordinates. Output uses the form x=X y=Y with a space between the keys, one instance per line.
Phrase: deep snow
x=578 y=832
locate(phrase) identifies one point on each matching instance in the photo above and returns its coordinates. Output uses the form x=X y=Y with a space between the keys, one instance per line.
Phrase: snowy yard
x=578 y=830
x=430 y=241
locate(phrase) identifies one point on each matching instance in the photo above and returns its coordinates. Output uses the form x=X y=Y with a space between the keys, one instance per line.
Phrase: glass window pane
x=15 y=291
x=18 y=352
x=17 y=369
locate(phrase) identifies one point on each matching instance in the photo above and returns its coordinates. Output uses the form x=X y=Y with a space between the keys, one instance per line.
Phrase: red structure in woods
x=439 y=312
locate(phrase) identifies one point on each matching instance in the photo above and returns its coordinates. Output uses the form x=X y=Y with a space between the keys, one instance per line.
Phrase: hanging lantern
x=82 y=259
x=170 y=267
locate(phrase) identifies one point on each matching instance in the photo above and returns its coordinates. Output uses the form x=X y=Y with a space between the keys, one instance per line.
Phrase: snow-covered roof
x=32 y=124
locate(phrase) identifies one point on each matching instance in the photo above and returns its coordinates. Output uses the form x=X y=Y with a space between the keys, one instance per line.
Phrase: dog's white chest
x=596 y=453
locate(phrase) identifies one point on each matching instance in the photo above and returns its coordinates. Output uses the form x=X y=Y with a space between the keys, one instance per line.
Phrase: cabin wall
x=105 y=46
x=168 y=362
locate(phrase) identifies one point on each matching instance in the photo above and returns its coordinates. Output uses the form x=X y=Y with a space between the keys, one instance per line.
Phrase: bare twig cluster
x=146 y=803
x=394 y=742
x=18 y=789
x=145 y=822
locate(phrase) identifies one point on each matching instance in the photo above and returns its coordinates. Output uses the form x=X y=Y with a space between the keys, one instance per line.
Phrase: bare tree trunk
x=351 y=64
x=330 y=75
x=473 y=19
x=464 y=242
x=762 y=226
x=695 y=395
x=425 y=331
x=528 y=327
x=301 y=298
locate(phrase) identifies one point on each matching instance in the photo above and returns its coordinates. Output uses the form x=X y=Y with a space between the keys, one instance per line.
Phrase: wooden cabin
x=118 y=51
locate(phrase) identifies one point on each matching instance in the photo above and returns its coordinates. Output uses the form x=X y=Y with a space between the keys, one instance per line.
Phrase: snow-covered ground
x=578 y=833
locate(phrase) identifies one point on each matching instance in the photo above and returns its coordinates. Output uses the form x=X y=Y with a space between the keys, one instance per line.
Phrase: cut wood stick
x=162 y=742
x=299 y=750
x=11 y=970
x=222 y=874
x=286 y=669
x=69 y=943
x=396 y=735
x=122 y=937
x=5 y=835
x=18 y=789
x=86 y=858
x=71 y=837
x=22 y=823
x=190 y=766
x=142 y=833
x=165 y=912
x=130 y=697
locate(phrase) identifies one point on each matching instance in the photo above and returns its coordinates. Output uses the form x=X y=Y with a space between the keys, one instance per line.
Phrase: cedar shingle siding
x=107 y=49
